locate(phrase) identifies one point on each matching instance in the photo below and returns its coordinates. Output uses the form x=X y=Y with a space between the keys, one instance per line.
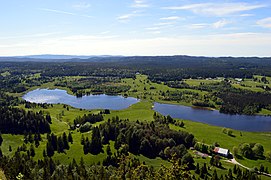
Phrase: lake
x=238 y=122
x=102 y=101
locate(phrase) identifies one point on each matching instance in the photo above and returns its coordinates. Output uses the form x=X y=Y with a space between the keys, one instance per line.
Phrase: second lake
x=238 y=122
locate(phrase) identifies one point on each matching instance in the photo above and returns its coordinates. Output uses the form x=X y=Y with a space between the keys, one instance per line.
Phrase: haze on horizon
x=136 y=27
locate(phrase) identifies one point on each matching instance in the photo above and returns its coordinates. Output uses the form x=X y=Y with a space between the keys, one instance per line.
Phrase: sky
x=135 y=27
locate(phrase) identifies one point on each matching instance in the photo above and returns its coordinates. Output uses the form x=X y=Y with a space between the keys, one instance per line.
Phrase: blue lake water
x=102 y=101
x=238 y=122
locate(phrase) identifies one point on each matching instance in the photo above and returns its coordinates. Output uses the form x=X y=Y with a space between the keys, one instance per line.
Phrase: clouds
x=137 y=27
x=137 y=6
x=82 y=6
x=235 y=44
x=57 y=11
x=140 y=4
x=127 y=17
x=266 y=22
x=217 y=9
x=221 y=23
x=170 y=18
x=64 y=12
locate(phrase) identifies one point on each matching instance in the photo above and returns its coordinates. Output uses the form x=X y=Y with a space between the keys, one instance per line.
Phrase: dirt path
x=233 y=161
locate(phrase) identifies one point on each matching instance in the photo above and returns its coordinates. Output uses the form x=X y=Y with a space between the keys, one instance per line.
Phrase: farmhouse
x=222 y=151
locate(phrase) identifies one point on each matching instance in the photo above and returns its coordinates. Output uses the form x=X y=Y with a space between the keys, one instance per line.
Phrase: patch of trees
x=87 y=120
x=93 y=146
x=110 y=89
x=30 y=105
x=167 y=120
x=6 y=100
x=151 y=140
x=244 y=102
x=57 y=143
x=18 y=121
x=251 y=150
x=204 y=148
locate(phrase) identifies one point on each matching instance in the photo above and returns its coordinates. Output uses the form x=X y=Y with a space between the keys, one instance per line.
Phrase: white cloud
x=197 y=26
x=238 y=44
x=170 y=18
x=127 y=17
x=246 y=15
x=221 y=23
x=217 y=9
x=37 y=35
x=63 y=12
x=140 y=4
x=165 y=23
x=82 y=5
x=57 y=11
x=153 y=28
x=266 y=22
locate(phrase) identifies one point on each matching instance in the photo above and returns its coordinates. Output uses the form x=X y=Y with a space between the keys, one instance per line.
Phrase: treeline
x=6 y=100
x=244 y=102
x=158 y=68
x=18 y=121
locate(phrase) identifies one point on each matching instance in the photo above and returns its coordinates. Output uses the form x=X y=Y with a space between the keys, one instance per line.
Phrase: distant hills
x=52 y=56
x=108 y=58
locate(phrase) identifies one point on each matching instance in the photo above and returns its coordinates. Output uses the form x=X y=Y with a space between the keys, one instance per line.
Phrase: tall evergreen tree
x=65 y=141
x=49 y=149
x=32 y=150
x=70 y=138
x=60 y=145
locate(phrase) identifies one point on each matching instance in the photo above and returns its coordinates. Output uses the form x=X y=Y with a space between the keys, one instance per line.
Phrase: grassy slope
x=211 y=134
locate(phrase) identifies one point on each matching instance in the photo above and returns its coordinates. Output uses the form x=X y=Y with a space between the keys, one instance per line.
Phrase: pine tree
x=108 y=150
x=96 y=142
x=36 y=140
x=49 y=149
x=70 y=138
x=32 y=150
x=65 y=141
x=48 y=118
x=60 y=145
x=30 y=138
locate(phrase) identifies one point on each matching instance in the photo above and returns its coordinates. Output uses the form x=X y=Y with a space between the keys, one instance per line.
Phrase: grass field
x=144 y=89
x=210 y=134
x=197 y=82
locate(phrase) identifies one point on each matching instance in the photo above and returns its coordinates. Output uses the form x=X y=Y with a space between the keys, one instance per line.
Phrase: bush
x=86 y=127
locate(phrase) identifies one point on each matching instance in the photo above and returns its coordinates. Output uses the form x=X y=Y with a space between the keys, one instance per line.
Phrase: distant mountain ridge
x=133 y=59
x=53 y=56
